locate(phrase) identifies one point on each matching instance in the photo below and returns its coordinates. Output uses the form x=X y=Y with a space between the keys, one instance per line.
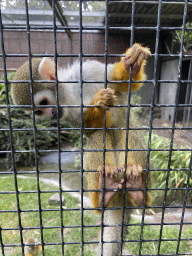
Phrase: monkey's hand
x=134 y=180
x=93 y=117
x=105 y=98
x=135 y=57
x=108 y=182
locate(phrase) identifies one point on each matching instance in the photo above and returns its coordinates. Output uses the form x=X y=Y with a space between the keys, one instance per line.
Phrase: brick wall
x=15 y=42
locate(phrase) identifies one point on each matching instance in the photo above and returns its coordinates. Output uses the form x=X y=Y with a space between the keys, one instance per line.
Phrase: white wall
x=169 y=71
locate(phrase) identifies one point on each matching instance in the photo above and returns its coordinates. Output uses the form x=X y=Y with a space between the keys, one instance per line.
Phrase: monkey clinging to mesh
x=116 y=173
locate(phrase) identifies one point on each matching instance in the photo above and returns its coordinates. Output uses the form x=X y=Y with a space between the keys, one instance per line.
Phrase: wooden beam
x=147 y=16
x=60 y=16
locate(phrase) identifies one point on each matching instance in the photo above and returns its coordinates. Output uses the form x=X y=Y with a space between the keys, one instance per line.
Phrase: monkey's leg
x=134 y=182
x=136 y=57
x=94 y=160
x=113 y=218
x=136 y=160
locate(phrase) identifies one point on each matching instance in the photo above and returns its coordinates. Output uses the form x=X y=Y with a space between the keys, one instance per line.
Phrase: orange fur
x=93 y=117
x=121 y=74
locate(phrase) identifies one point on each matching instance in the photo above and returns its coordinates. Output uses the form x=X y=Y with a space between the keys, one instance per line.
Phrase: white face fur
x=45 y=98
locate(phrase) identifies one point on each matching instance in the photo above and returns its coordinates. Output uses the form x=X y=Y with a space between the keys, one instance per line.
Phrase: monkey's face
x=44 y=93
x=45 y=105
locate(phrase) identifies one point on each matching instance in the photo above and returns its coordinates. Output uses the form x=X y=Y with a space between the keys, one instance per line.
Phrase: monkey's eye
x=38 y=112
x=43 y=102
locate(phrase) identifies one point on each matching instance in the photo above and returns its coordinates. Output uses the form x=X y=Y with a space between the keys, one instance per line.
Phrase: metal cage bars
x=154 y=81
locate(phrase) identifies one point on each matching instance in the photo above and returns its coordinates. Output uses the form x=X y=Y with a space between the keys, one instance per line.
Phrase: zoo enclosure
x=121 y=24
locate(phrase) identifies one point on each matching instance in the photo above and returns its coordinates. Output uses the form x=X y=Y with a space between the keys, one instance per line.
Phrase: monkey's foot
x=135 y=57
x=105 y=98
x=134 y=180
x=109 y=183
x=133 y=171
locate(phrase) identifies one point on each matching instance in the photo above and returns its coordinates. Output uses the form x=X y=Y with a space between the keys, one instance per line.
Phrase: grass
x=152 y=232
x=29 y=201
x=51 y=218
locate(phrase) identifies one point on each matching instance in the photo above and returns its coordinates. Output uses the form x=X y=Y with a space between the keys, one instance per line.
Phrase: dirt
x=182 y=137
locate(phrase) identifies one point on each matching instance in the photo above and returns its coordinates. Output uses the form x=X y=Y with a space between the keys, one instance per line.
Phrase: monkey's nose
x=54 y=113
x=60 y=112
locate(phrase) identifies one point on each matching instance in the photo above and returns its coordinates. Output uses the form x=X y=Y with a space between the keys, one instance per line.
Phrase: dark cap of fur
x=20 y=92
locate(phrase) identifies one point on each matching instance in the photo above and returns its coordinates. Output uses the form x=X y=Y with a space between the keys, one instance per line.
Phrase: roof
x=146 y=12
x=119 y=14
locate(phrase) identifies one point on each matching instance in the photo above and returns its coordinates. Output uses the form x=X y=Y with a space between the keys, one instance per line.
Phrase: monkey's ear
x=47 y=69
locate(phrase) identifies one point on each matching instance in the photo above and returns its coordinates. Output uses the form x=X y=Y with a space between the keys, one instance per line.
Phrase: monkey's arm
x=136 y=57
x=94 y=116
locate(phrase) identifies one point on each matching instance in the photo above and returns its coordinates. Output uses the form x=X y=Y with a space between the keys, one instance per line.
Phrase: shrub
x=2 y=88
x=23 y=140
x=180 y=159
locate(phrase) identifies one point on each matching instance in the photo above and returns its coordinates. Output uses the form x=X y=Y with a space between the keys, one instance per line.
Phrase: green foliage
x=66 y=5
x=187 y=37
x=137 y=111
x=151 y=232
x=179 y=159
x=2 y=88
x=135 y=98
x=50 y=218
x=24 y=140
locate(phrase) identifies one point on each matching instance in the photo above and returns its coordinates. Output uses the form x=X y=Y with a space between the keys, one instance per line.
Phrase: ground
x=71 y=180
x=182 y=137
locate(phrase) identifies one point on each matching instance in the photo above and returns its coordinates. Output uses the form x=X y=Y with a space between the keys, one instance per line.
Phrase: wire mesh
x=81 y=36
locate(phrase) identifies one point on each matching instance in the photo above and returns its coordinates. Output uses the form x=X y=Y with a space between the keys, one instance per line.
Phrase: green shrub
x=136 y=111
x=179 y=160
x=2 y=88
x=24 y=140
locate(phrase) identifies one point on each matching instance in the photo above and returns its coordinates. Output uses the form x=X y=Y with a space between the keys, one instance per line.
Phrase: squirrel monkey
x=34 y=248
x=93 y=94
